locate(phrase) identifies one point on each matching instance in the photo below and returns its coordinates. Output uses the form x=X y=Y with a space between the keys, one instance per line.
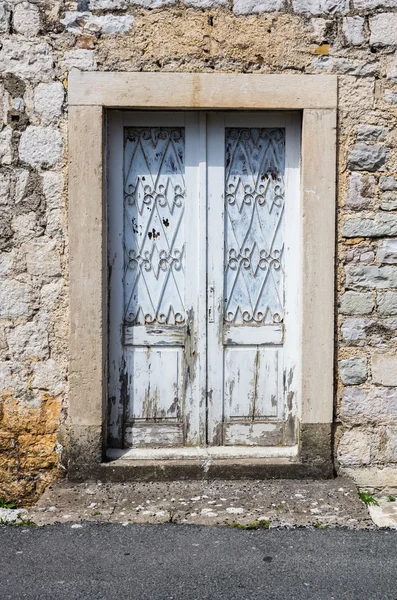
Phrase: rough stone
x=41 y=146
x=367 y=157
x=354 y=449
x=29 y=60
x=388 y=201
x=5 y=185
x=372 y=332
x=356 y=92
x=83 y=60
x=53 y=185
x=107 y=4
x=42 y=258
x=382 y=225
x=371 y=277
x=207 y=4
x=48 y=376
x=391 y=73
x=353 y=30
x=387 y=303
x=21 y=181
x=361 y=191
x=377 y=405
x=6 y=146
x=78 y=22
x=353 y=371
x=387 y=252
x=50 y=293
x=29 y=340
x=373 y=4
x=383 y=29
x=48 y=100
x=361 y=255
x=318 y=7
x=246 y=7
x=391 y=97
x=26 y=19
x=384 y=369
x=15 y=299
x=371 y=133
x=5 y=17
x=356 y=303
x=151 y=4
x=387 y=184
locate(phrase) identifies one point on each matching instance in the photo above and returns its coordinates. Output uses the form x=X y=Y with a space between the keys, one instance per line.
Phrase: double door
x=203 y=250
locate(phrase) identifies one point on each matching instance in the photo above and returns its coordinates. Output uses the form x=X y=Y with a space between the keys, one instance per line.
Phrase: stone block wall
x=41 y=41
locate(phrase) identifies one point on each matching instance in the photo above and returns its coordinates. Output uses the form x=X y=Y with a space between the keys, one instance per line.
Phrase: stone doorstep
x=284 y=503
x=384 y=515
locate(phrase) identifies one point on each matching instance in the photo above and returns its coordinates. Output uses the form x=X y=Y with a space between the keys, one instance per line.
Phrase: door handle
x=211 y=303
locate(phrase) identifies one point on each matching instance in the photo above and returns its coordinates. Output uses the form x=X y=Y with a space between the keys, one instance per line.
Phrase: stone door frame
x=91 y=95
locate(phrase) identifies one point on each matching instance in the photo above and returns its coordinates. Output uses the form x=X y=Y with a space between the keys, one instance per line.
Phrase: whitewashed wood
x=253 y=434
x=253 y=382
x=154 y=368
x=153 y=435
x=154 y=335
x=244 y=334
x=202 y=90
x=235 y=382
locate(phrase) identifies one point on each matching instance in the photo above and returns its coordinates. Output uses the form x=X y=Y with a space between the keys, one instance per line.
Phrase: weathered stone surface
x=356 y=91
x=41 y=146
x=371 y=276
x=50 y=293
x=107 y=4
x=84 y=60
x=376 y=405
x=5 y=17
x=361 y=255
x=48 y=376
x=318 y=7
x=353 y=371
x=353 y=30
x=388 y=183
x=77 y=22
x=384 y=368
x=48 y=100
x=354 y=449
x=29 y=340
x=153 y=3
x=371 y=4
x=206 y=4
x=245 y=7
x=387 y=252
x=356 y=303
x=15 y=299
x=41 y=257
x=53 y=186
x=26 y=19
x=387 y=303
x=388 y=201
x=387 y=447
x=391 y=73
x=362 y=190
x=383 y=29
x=367 y=157
x=360 y=332
x=5 y=185
x=391 y=97
x=26 y=59
x=383 y=225
x=371 y=133
x=6 y=146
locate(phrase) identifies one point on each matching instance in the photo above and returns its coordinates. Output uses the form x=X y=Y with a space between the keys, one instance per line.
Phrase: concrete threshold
x=236 y=503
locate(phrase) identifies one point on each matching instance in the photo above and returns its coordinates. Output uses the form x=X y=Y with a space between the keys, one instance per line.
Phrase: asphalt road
x=175 y=562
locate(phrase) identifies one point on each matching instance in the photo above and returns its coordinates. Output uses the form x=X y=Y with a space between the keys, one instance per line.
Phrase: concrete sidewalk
x=277 y=503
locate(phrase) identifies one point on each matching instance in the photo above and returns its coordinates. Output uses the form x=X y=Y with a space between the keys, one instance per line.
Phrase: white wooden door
x=203 y=254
